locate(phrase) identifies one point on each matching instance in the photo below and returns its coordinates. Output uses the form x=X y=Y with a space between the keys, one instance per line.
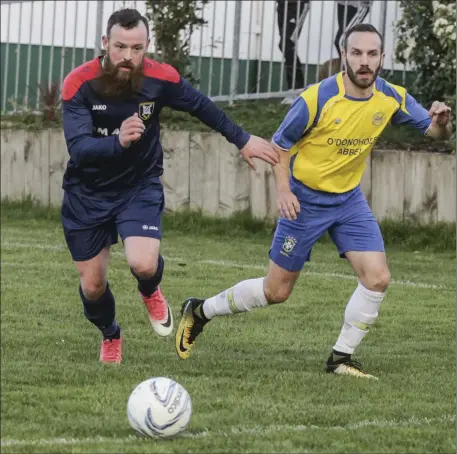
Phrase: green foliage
x=47 y=115
x=262 y=118
x=173 y=23
x=50 y=100
x=409 y=236
x=427 y=42
x=31 y=121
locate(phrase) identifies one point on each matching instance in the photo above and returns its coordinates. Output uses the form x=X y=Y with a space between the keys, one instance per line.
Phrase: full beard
x=362 y=83
x=115 y=82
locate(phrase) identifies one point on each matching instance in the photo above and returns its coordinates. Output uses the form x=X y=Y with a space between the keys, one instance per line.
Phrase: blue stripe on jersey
x=388 y=90
x=328 y=88
x=293 y=126
x=296 y=121
x=415 y=115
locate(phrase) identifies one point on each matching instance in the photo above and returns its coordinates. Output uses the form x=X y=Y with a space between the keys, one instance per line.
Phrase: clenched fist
x=440 y=113
x=131 y=130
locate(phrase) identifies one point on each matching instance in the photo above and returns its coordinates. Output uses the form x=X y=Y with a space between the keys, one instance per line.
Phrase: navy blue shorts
x=350 y=223
x=90 y=225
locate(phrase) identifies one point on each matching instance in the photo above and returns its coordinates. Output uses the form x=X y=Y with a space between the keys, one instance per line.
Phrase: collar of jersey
x=342 y=91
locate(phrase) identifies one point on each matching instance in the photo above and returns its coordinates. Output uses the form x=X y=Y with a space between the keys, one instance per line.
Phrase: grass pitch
x=256 y=380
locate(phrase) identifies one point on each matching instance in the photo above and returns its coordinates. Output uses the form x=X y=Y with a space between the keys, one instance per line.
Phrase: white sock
x=243 y=297
x=361 y=312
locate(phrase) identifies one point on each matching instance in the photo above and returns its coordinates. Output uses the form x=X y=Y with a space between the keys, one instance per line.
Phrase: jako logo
x=99 y=107
x=150 y=227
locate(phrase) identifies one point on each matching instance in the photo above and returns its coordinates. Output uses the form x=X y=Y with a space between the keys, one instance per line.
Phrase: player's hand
x=259 y=148
x=288 y=204
x=440 y=113
x=131 y=130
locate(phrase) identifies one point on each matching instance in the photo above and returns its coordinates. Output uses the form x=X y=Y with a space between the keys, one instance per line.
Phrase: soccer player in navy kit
x=323 y=143
x=112 y=186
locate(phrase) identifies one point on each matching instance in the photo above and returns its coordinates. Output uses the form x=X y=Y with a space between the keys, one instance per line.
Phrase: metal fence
x=237 y=54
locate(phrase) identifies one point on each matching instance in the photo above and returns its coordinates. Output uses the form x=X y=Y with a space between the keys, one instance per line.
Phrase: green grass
x=262 y=118
x=439 y=237
x=256 y=380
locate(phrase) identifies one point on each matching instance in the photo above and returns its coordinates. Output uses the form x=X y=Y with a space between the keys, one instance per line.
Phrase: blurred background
x=252 y=58
x=229 y=49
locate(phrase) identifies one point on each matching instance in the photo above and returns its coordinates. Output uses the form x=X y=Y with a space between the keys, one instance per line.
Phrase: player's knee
x=143 y=267
x=378 y=279
x=93 y=289
x=276 y=294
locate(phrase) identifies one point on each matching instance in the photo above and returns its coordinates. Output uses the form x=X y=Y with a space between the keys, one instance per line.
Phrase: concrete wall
x=203 y=171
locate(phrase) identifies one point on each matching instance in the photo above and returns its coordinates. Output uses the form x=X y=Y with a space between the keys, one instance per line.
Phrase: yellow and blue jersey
x=329 y=134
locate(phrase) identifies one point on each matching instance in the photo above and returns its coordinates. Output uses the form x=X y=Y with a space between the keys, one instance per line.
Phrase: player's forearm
x=83 y=147
x=440 y=132
x=215 y=118
x=93 y=150
x=281 y=170
x=183 y=96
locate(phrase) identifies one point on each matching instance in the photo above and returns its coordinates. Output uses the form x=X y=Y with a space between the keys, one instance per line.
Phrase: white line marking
x=58 y=247
x=321 y=274
x=226 y=264
x=46 y=247
x=256 y=430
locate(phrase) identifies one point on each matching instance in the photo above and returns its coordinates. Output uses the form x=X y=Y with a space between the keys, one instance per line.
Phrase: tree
x=427 y=42
x=173 y=23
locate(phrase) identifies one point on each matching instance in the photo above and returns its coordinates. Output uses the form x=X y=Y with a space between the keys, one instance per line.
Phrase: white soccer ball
x=159 y=407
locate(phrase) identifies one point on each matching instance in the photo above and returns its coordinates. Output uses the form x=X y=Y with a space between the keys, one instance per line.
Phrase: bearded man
x=112 y=186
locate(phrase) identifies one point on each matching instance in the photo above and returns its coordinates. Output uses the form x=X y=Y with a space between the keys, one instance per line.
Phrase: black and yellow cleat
x=341 y=364
x=191 y=325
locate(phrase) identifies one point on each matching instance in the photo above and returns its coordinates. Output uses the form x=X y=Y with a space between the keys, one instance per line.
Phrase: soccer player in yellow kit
x=323 y=144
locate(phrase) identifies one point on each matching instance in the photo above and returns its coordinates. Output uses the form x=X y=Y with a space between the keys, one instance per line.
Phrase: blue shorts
x=91 y=224
x=348 y=219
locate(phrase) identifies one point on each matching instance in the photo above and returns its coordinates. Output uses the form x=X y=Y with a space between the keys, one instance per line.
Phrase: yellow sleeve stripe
x=310 y=97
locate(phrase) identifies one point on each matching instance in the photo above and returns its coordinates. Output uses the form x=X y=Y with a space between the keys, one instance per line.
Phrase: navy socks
x=101 y=313
x=148 y=286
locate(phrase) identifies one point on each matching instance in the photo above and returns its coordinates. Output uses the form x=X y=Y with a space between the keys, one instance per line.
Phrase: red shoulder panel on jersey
x=74 y=80
x=160 y=71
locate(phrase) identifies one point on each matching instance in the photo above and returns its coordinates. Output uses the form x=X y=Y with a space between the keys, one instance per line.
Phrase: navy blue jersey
x=99 y=166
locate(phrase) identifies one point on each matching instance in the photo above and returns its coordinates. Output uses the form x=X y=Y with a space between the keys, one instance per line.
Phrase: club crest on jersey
x=146 y=109
x=378 y=118
x=289 y=244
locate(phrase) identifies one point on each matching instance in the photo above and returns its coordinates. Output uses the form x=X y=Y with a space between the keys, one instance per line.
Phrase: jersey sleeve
x=293 y=126
x=182 y=96
x=412 y=113
x=77 y=125
x=298 y=120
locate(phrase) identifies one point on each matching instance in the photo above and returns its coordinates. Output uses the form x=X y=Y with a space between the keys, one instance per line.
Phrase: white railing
x=237 y=53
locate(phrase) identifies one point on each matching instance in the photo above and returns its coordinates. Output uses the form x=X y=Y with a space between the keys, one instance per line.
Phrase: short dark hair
x=362 y=28
x=127 y=18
